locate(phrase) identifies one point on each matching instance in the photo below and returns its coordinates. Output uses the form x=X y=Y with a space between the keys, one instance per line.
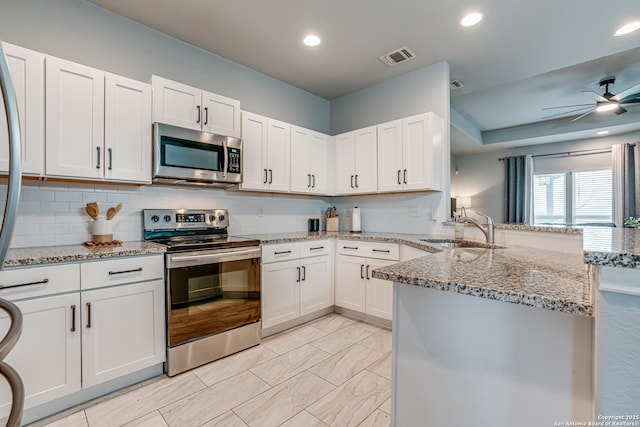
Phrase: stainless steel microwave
x=188 y=157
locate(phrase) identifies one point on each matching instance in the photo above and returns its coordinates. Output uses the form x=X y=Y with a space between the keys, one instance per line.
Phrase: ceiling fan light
x=607 y=107
x=628 y=28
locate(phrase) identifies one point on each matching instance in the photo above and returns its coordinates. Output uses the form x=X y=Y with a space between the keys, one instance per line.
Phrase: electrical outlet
x=414 y=213
x=260 y=213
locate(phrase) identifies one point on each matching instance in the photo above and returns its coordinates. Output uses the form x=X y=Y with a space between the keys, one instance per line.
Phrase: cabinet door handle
x=135 y=270
x=206 y=115
x=282 y=252
x=314 y=181
x=316 y=248
x=110 y=151
x=88 y=315
x=304 y=273
x=73 y=318
x=368 y=271
x=265 y=177
x=308 y=180
x=352 y=182
x=270 y=176
x=356 y=181
x=98 y=163
x=198 y=119
x=298 y=279
x=350 y=247
x=362 y=271
x=386 y=251
x=399 y=172
x=40 y=282
x=405 y=176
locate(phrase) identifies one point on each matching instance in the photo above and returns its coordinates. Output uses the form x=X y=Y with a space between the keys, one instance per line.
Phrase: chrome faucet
x=486 y=230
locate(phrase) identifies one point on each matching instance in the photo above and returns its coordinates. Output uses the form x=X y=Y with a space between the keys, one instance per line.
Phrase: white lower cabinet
x=123 y=330
x=77 y=332
x=296 y=287
x=355 y=288
x=47 y=355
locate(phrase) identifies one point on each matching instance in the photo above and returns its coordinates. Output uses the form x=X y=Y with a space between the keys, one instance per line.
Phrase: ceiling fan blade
x=569 y=106
x=633 y=90
x=564 y=113
x=630 y=99
x=595 y=96
x=620 y=110
x=588 y=112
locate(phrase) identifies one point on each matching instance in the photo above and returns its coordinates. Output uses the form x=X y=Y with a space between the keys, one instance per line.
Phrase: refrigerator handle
x=15 y=163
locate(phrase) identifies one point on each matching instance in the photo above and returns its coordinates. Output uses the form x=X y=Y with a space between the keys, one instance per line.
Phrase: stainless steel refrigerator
x=8 y=221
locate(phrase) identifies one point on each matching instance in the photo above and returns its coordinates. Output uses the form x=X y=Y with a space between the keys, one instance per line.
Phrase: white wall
x=481 y=176
x=52 y=213
x=82 y=32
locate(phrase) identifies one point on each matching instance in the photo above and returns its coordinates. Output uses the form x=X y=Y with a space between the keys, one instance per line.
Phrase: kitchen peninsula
x=508 y=343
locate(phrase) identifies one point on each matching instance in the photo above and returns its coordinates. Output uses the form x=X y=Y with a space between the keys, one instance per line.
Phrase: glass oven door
x=206 y=299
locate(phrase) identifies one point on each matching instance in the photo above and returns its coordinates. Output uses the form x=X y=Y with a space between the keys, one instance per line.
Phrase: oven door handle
x=212 y=258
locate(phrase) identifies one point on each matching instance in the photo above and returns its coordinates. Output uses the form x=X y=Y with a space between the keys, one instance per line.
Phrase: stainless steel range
x=212 y=283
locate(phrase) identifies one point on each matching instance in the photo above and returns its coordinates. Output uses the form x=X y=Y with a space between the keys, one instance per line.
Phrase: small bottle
x=458 y=230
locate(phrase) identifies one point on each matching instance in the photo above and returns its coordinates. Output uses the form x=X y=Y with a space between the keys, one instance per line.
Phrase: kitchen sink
x=458 y=243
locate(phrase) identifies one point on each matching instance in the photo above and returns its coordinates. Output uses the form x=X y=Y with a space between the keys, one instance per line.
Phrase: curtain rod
x=570 y=153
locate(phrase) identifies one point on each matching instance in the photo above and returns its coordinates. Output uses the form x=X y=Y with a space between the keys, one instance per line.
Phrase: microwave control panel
x=234 y=160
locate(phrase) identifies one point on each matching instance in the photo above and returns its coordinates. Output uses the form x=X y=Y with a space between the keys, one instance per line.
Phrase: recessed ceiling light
x=628 y=28
x=607 y=107
x=602 y=132
x=471 y=19
x=312 y=40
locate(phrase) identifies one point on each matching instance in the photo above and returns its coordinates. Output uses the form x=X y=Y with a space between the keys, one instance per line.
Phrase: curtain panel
x=518 y=175
x=626 y=181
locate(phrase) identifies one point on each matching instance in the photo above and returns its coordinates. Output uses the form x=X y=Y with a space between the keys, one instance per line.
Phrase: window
x=576 y=197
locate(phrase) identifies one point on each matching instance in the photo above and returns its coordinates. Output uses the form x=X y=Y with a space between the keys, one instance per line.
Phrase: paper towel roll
x=355 y=219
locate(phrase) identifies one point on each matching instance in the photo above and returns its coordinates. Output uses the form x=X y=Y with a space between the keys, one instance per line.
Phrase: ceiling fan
x=605 y=102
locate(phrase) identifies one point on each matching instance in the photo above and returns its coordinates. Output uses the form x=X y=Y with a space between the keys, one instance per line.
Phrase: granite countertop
x=562 y=229
x=75 y=253
x=612 y=247
x=520 y=275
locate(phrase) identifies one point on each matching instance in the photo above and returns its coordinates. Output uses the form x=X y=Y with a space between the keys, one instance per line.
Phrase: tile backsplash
x=52 y=213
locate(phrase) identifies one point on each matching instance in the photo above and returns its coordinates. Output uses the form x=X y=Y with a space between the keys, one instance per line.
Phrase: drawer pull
x=282 y=252
x=41 y=282
x=88 y=315
x=135 y=270
x=350 y=247
x=386 y=251
x=316 y=248
x=73 y=318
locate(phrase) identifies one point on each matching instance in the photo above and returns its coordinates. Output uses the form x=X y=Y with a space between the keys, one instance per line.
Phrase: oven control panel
x=175 y=219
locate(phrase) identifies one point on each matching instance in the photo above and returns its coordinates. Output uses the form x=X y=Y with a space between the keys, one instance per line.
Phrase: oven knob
x=212 y=218
x=155 y=218
x=221 y=218
x=167 y=218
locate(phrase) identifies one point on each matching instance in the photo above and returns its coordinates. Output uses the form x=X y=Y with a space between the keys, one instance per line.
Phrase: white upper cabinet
x=266 y=153
x=98 y=125
x=356 y=162
x=74 y=120
x=128 y=130
x=410 y=154
x=309 y=161
x=27 y=73
x=181 y=105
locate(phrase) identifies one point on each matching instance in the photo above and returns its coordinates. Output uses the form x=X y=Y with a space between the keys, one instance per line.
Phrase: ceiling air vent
x=397 y=56
x=455 y=84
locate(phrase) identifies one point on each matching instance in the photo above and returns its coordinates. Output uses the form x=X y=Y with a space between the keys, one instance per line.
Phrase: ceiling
x=525 y=56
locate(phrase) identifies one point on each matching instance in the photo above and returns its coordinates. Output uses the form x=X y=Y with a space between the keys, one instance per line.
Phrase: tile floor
x=330 y=372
